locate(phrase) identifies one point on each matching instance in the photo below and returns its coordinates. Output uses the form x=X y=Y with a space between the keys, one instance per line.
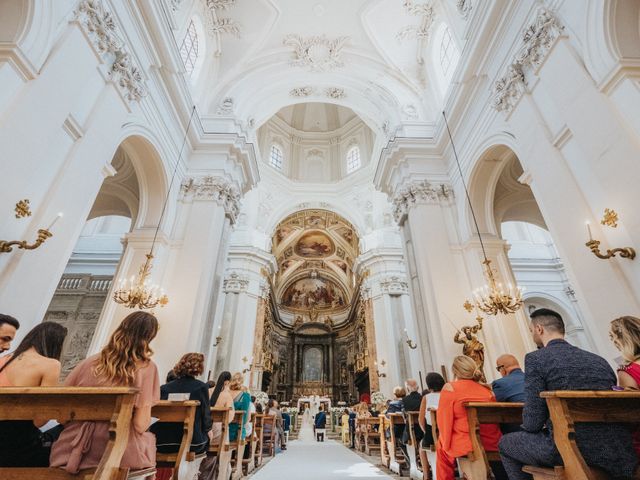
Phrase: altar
x=313 y=402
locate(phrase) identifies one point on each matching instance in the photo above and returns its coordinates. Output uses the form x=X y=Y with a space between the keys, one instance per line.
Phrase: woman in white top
x=430 y=400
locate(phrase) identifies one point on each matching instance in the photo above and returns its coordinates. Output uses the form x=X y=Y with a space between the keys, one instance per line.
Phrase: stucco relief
x=394 y=285
x=317 y=53
x=218 y=189
x=419 y=192
x=235 y=283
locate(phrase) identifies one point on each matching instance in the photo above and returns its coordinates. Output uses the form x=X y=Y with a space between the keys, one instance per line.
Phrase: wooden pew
x=371 y=436
x=236 y=446
x=382 y=428
x=269 y=435
x=475 y=465
x=397 y=461
x=257 y=428
x=566 y=408
x=248 y=464
x=218 y=449
x=361 y=428
x=177 y=412
x=413 y=450
x=113 y=405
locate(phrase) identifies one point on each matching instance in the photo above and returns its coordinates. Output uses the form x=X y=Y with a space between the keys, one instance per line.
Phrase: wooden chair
x=269 y=435
x=413 y=449
x=219 y=448
x=112 y=405
x=371 y=436
x=248 y=464
x=566 y=408
x=476 y=464
x=382 y=429
x=177 y=412
x=397 y=461
x=257 y=428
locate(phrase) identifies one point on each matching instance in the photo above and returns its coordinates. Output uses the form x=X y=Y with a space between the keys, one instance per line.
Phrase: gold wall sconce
x=245 y=360
x=378 y=373
x=412 y=345
x=594 y=246
x=6 y=246
x=218 y=337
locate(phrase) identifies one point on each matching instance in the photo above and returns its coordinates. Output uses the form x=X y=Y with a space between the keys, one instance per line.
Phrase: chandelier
x=492 y=298
x=138 y=292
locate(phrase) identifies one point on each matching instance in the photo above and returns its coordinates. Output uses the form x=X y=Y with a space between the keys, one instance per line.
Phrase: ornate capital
x=264 y=289
x=464 y=7
x=365 y=291
x=419 y=192
x=234 y=283
x=509 y=89
x=394 y=285
x=218 y=189
x=100 y=27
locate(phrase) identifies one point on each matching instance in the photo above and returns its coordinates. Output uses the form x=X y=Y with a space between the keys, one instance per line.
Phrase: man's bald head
x=506 y=363
x=412 y=385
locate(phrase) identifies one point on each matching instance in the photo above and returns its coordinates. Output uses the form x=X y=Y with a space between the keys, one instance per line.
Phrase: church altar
x=314 y=402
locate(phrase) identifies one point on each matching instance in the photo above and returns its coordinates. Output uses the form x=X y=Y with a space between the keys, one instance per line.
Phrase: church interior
x=331 y=197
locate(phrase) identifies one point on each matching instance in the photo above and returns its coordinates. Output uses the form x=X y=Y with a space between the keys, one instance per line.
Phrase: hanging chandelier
x=493 y=297
x=138 y=292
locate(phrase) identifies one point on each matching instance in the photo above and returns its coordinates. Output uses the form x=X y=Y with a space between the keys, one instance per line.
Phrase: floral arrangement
x=378 y=398
x=289 y=410
x=262 y=398
x=336 y=409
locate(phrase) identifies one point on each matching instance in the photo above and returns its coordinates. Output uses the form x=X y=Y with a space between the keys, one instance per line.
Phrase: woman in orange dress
x=453 y=439
x=125 y=361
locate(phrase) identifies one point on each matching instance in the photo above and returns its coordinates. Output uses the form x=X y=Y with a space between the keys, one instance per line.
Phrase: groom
x=320 y=422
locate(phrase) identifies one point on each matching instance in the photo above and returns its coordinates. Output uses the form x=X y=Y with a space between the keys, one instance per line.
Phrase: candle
x=589 y=230
x=58 y=217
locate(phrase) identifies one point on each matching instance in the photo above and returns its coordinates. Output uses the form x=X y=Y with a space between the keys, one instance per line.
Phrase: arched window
x=446 y=51
x=189 y=48
x=276 y=157
x=353 y=159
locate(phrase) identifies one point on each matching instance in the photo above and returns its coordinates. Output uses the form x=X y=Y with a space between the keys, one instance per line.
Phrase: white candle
x=58 y=217
x=589 y=230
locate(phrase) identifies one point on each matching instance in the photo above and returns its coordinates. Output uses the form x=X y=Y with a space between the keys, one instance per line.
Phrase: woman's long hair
x=625 y=333
x=46 y=339
x=222 y=378
x=127 y=348
x=465 y=368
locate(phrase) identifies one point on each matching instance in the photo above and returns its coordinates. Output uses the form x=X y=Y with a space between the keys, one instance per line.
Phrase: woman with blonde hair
x=453 y=439
x=241 y=401
x=124 y=362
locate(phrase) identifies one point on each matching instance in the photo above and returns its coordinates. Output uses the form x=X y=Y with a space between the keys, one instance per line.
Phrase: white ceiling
x=316 y=117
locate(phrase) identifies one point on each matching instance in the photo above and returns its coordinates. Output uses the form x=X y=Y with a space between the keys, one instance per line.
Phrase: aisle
x=305 y=458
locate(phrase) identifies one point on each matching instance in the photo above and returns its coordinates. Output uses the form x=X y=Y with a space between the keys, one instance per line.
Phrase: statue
x=298 y=321
x=313 y=314
x=472 y=347
x=328 y=321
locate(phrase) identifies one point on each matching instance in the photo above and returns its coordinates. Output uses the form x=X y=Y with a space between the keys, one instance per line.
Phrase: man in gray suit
x=557 y=365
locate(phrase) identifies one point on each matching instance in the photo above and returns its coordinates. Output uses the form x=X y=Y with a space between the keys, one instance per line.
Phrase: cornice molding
x=212 y=188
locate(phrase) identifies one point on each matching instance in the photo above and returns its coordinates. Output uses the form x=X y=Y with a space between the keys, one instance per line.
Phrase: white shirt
x=248 y=428
x=432 y=404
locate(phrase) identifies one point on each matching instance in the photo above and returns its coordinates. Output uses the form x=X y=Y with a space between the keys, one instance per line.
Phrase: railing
x=86 y=283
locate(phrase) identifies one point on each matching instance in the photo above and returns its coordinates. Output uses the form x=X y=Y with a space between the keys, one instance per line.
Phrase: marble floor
x=310 y=460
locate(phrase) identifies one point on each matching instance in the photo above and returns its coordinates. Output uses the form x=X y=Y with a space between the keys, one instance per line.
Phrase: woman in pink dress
x=625 y=335
x=125 y=361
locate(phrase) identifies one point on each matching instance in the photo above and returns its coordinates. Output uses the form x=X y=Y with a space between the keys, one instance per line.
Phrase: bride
x=306 y=417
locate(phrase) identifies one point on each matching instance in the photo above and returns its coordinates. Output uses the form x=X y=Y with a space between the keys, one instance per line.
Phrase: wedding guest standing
x=8 y=329
x=125 y=361
x=35 y=363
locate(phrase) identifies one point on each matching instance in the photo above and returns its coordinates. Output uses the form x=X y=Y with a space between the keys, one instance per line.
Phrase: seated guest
x=35 y=363
x=561 y=366
x=272 y=409
x=454 y=440
x=168 y=435
x=221 y=398
x=411 y=403
x=241 y=401
x=396 y=406
x=625 y=334
x=430 y=400
x=8 y=328
x=320 y=423
x=125 y=361
x=171 y=376
x=509 y=388
x=344 y=422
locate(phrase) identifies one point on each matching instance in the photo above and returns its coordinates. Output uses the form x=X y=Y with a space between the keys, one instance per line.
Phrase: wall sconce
x=6 y=246
x=245 y=360
x=594 y=246
x=218 y=337
x=382 y=364
x=411 y=343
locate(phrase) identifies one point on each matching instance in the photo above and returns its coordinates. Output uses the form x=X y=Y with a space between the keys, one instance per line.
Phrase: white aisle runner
x=310 y=460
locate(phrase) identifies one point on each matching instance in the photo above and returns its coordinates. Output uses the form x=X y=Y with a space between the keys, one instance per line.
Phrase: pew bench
x=475 y=465
x=248 y=464
x=371 y=436
x=397 y=461
x=269 y=435
x=566 y=408
x=218 y=448
x=361 y=428
x=382 y=428
x=413 y=448
x=257 y=428
x=236 y=446
x=113 y=405
x=182 y=412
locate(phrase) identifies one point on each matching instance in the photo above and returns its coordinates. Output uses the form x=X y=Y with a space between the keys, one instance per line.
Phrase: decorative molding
x=365 y=291
x=217 y=189
x=101 y=29
x=225 y=107
x=265 y=289
x=234 y=283
x=509 y=89
x=175 y=4
x=227 y=26
x=394 y=285
x=301 y=91
x=335 y=93
x=409 y=112
x=464 y=7
x=219 y=4
x=419 y=10
x=418 y=193
x=538 y=38
x=72 y=127
x=421 y=31
x=317 y=53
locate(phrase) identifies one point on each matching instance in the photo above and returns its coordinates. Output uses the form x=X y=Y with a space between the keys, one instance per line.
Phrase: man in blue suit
x=509 y=388
x=558 y=365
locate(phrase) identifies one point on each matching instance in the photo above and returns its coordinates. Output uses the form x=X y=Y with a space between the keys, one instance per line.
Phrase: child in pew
x=35 y=363
x=125 y=361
